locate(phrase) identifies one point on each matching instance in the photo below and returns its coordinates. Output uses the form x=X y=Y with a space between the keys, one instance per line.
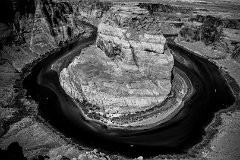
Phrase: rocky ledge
x=127 y=72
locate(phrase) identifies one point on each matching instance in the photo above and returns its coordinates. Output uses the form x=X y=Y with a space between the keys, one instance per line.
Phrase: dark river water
x=175 y=136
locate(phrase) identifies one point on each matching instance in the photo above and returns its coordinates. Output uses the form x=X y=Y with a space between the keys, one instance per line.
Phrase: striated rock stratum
x=127 y=72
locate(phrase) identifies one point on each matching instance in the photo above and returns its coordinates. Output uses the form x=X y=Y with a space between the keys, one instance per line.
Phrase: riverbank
x=224 y=129
x=21 y=121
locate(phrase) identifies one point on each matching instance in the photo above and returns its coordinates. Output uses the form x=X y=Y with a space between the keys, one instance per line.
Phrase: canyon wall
x=30 y=30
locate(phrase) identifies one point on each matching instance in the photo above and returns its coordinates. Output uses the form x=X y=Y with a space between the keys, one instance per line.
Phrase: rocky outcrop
x=92 y=10
x=54 y=24
x=33 y=140
x=129 y=72
x=29 y=30
x=212 y=36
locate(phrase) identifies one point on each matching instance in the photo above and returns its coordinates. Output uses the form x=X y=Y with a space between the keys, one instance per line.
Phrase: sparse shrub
x=211 y=30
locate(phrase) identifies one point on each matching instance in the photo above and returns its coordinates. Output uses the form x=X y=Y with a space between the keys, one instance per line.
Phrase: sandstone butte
x=128 y=71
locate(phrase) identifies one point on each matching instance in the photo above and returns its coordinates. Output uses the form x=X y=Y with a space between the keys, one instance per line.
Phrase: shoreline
x=211 y=129
x=24 y=117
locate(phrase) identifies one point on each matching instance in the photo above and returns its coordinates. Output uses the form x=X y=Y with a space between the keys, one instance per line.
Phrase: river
x=175 y=136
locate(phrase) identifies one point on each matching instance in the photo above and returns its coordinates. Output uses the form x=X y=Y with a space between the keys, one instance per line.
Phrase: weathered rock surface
x=130 y=71
x=40 y=141
x=28 y=31
x=216 y=37
x=92 y=11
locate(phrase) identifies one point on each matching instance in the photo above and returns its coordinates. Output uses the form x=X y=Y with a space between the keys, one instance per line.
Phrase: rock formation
x=129 y=71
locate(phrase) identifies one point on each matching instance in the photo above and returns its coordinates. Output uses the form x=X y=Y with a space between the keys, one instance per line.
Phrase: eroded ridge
x=128 y=71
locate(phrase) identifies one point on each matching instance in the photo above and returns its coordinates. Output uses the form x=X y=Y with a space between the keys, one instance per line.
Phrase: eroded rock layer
x=128 y=71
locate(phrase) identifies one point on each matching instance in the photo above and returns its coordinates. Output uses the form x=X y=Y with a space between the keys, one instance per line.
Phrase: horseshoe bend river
x=180 y=133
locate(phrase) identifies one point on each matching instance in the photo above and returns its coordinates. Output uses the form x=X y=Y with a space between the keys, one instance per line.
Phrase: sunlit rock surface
x=129 y=70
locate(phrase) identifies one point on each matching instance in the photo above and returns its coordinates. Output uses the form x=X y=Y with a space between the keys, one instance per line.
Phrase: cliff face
x=57 y=23
x=212 y=29
x=129 y=70
x=14 y=19
x=29 y=31
x=215 y=33
x=92 y=11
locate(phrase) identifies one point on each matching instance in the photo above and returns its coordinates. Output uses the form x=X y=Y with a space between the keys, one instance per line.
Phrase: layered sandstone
x=129 y=71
